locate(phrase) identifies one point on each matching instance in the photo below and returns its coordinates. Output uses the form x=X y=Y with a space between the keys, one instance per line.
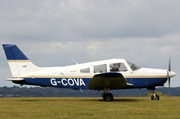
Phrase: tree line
x=17 y=91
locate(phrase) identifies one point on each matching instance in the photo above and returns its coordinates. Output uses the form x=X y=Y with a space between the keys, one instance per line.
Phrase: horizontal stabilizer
x=14 y=79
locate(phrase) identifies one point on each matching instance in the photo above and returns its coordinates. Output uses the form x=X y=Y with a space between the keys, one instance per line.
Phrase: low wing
x=112 y=80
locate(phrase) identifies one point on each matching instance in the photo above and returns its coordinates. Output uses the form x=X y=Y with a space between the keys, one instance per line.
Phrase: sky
x=47 y=31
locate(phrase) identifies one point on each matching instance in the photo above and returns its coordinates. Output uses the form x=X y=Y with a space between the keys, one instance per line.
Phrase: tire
x=156 y=97
x=108 y=97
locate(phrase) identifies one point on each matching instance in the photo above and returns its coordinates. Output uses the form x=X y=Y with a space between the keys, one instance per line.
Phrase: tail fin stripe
x=13 y=52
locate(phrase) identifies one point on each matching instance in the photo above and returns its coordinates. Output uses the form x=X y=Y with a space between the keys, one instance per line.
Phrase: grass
x=87 y=108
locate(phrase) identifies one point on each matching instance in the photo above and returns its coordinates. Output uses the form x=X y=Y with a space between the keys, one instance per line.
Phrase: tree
x=158 y=93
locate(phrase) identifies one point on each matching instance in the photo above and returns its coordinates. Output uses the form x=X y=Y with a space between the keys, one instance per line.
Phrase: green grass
x=87 y=108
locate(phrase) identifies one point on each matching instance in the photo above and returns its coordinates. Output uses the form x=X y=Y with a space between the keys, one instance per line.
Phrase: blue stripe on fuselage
x=146 y=82
x=76 y=83
x=82 y=83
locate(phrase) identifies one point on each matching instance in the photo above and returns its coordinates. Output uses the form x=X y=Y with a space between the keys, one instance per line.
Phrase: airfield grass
x=89 y=108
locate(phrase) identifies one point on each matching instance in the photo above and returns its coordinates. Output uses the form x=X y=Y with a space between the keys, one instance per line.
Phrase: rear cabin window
x=100 y=68
x=85 y=70
x=118 y=67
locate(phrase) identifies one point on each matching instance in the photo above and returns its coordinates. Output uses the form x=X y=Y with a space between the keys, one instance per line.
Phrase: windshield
x=133 y=66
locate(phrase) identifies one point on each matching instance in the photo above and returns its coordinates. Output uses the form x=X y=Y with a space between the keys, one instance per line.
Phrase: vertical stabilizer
x=19 y=64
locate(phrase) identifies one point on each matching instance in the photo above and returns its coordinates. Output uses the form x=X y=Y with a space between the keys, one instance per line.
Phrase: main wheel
x=155 y=97
x=108 y=97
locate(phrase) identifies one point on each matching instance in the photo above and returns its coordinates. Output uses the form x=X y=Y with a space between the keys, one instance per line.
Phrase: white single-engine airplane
x=100 y=75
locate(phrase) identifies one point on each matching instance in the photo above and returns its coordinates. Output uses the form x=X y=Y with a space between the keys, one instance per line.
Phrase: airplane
x=106 y=75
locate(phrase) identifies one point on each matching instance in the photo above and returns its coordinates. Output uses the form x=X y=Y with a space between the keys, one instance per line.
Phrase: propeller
x=168 y=77
x=170 y=74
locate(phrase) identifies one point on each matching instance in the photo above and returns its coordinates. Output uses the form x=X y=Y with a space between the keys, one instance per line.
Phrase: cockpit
x=133 y=66
x=121 y=66
x=118 y=67
x=113 y=66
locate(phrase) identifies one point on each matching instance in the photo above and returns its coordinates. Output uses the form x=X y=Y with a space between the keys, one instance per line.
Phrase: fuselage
x=78 y=76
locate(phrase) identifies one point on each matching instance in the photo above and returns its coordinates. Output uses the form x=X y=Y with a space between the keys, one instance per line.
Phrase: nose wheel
x=154 y=96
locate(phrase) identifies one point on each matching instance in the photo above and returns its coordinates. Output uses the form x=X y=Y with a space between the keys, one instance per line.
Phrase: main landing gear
x=107 y=96
x=154 y=96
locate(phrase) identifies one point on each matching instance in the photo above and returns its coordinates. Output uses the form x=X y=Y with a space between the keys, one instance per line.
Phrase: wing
x=110 y=80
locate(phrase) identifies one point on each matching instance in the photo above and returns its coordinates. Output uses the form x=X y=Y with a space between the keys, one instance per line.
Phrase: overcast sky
x=145 y=32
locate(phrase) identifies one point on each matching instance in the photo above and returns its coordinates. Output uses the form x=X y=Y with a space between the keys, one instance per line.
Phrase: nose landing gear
x=154 y=96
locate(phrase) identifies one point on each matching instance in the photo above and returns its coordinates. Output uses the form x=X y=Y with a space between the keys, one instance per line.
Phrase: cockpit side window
x=100 y=68
x=133 y=66
x=117 y=67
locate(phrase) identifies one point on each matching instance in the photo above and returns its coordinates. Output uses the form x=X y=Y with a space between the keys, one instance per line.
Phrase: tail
x=19 y=64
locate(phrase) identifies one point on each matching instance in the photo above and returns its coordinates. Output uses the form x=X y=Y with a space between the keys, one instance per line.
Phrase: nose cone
x=171 y=74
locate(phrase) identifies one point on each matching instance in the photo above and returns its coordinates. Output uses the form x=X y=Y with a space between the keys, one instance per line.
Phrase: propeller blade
x=169 y=70
x=169 y=64
x=169 y=85
x=168 y=78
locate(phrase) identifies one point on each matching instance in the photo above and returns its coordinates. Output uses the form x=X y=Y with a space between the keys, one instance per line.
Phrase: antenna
x=73 y=59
